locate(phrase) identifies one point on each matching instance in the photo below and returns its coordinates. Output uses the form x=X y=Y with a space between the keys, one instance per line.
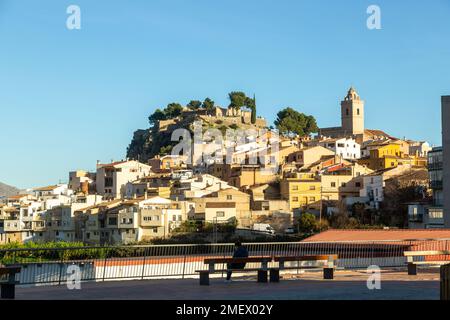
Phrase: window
x=346 y=111
x=295 y=199
x=357 y=111
x=155 y=230
x=312 y=187
x=220 y=214
x=174 y=217
x=229 y=197
x=294 y=188
x=333 y=184
x=358 y=184
x=343 y=184
x=108 y=182
x=112 y=221
x=435 y=213
x=312 y=199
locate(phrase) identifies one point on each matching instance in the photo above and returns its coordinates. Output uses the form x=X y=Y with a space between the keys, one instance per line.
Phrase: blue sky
x=70 y=97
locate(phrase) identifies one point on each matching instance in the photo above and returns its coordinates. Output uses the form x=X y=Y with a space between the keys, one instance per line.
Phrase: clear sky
x=70 y=97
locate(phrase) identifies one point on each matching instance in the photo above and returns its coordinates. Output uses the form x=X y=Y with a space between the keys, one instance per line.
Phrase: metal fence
x=51 y=265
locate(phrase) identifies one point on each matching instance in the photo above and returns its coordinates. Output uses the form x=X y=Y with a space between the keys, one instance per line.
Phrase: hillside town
x=341 y=177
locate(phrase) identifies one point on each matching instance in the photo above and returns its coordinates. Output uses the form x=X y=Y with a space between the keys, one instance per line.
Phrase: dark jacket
x=240 y=252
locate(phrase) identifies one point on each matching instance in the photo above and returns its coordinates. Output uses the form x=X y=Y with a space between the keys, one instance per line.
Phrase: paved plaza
x=346 y=285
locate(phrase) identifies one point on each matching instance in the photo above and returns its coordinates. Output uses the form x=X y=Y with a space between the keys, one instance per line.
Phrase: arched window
x=357 y=111
x=346 y=111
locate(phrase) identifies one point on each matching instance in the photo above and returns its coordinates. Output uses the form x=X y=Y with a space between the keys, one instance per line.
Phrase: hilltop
x=156 y=140
x=7 y=190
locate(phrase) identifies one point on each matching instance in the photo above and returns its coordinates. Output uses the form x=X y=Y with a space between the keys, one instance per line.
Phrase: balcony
x=436 y=184
x=11 y=226
x=435 y=166
x=38 y=226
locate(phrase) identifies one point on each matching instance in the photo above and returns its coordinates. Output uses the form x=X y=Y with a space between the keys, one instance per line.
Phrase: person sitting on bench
x=239 y=252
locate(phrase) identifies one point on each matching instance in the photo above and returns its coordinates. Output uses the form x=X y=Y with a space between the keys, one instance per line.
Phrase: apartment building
x=445 y=101
x=197 y=187
x=346 y=148
x=150 y=186
x=111 y=178
x=240 y=199
x=160 y=216
x=301 y=190
x=309 y=155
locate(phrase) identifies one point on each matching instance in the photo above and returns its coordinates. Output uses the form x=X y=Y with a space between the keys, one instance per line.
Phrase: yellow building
x=301 y=191
x=383 y=156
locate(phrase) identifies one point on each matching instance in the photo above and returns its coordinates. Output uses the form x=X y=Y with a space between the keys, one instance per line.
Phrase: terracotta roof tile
x=379 y=235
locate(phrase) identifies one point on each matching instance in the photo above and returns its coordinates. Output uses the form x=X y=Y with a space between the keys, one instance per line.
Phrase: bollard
x=445 y=282
x=412 y=269
x=274 y=275
x=262 y=276
x=328 y=273
x=204 y=278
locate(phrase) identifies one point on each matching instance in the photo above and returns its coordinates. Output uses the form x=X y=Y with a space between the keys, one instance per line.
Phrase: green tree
x=237 y=99
x=291 y=121
x=194 y=104
x=251 y=103
x=156 y=116
x=208 y=104
x=308 y=223
x=173 y=110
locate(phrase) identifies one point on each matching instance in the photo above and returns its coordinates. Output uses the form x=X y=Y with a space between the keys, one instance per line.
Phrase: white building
x=199 y=186
x=112 y=178
x=372 y=190
x=347 y=148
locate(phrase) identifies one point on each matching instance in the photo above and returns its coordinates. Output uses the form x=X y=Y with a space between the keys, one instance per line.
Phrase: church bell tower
x=352 y=113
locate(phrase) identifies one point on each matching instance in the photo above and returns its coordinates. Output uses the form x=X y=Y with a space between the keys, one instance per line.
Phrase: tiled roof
x=379 y=235
x=376 y=132
x=48 y=188
x=18 y=196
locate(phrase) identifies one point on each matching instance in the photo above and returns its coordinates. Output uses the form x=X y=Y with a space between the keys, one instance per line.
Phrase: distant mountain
x=6 y=190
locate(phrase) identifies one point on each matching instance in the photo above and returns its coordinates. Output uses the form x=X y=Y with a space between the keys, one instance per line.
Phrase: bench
x=8 y=287
x=262 y=270
x=412 y=265
x=328 y=269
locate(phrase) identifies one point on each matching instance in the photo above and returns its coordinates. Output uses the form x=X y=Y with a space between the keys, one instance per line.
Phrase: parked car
x=264 y=227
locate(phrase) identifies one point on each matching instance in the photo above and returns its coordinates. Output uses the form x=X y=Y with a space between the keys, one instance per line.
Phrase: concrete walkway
x=346 y=285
